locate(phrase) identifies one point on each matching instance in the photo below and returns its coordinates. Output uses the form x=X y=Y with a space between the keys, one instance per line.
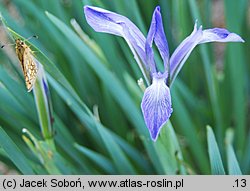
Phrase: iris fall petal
x=156 y=106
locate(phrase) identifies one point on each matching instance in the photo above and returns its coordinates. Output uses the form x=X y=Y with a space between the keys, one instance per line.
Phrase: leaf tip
x=47 y=13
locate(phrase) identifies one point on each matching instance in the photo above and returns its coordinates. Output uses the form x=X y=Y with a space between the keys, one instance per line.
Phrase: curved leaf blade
x=14 y=153
x=233 y=165
x=214 y=154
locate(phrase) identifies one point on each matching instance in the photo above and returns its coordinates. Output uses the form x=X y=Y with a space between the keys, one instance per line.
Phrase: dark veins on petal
x=45 y=86
x=102 y=15
x=222 y=33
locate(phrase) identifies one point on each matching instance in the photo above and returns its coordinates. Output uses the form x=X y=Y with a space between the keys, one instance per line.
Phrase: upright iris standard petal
x=156 y=106
x=105 y=21
x=198 y=36
x=156 y=34
x=183 y=51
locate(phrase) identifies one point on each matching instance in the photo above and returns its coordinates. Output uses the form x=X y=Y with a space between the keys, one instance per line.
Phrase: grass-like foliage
x=83 y=115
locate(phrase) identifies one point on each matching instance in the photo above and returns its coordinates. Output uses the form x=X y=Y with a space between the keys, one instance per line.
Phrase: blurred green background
x=98 y=125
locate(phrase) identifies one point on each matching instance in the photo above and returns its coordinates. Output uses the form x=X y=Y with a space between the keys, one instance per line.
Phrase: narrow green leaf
x=63 y=165
x=246 y=162
x=211 y=82
x=98 y=159
x=169 y=151
x=187 y=126
x=16 y=89
x=96 y=129
x=91 y=43
x=237 y=72
x=64 y=140
x=14 y=153
x=232 y=163
x=214 y=154
x=115 y=152
x=44 y=151
x=138 y=158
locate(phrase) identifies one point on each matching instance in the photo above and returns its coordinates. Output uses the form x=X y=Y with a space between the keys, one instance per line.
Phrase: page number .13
x=240 y=183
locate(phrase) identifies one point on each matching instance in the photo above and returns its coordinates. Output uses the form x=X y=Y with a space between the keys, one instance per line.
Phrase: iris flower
x=156 y=103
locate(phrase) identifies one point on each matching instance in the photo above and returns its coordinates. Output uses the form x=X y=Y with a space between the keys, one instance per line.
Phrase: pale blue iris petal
x=105 y=21
x=156 y=106
x=219 y=35
x=156 y=34
x=198 y=36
